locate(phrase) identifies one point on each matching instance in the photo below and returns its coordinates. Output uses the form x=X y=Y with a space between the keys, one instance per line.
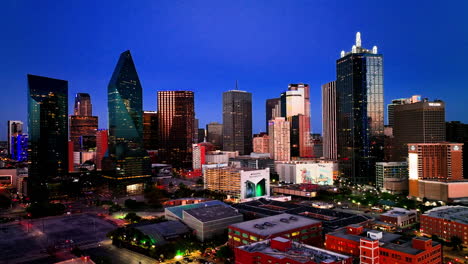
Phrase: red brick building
x=374 y=247
x=446 y=222
x=284 y=251
x=297 y=228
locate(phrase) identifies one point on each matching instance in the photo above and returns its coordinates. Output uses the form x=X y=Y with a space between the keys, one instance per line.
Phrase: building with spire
x=83 y=125
x=360 y=112
x=128 y=159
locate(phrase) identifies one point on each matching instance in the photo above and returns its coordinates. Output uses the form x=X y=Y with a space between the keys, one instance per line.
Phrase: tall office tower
x=101 y=146
x=48 y=133
x=261 y=143
x=295 y=101
x=176 y=117
x=150 y=130
x=83 y=106
x=198 y=157
x=214 y=134
x=400 y=101
x=458 y=132
x=125 y=105
x=279 y=133
x=420 y=122
x=15 y=128
x=301 y=143
x=360 y=112
x=195 y=131
x=329 y=120
x=201 y=135
x=237 y=121
x=272 y=109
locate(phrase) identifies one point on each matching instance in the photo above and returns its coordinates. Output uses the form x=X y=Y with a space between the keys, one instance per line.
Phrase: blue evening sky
x=205 y=45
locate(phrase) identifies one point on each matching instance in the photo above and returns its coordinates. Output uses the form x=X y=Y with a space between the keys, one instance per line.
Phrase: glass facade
x=126 y=122
x=150 y=130
x=237 y=121
x=360 y=114
x=48 y=133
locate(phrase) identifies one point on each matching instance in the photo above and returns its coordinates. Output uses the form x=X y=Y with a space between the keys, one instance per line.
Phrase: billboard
x=255 y=183
x=315 y=173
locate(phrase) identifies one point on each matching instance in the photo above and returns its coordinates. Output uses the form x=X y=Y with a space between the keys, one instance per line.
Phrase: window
x=303 y=231
x=237 y=239
x=237 y=232
x=244 y=242
x=245 y=235
x=295 y=233
x=254 y=238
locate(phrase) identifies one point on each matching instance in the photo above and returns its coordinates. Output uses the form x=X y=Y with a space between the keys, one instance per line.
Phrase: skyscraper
x=261 y=143
x=83 y=106
x=48 y=137
x=301 y=143
x=176 y=117
x=102 y=136
x=214 y=134
x=83 y=125
x=14 y=129
x=329 y=120
x=420 y=122
x=400 y=101
x=360 y=112
x=237 y=121
x=125 y=102
x=150 y=130
x=272 y=109
x=279 y=133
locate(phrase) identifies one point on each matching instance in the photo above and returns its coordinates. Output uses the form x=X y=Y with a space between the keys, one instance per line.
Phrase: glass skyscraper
x=126 y=122
x=360 y=112
x=237 y=121
x=48 y=133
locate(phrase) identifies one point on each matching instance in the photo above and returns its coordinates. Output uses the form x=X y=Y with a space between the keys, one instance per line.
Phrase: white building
x=280 y=138
x=321 y=172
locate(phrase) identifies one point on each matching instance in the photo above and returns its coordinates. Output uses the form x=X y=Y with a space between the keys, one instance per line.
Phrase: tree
x=456 y=243
x=200 y=181
x=132 y=217
x=224 y=252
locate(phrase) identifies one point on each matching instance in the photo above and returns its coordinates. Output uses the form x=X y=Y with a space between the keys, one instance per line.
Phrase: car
x=344 y=207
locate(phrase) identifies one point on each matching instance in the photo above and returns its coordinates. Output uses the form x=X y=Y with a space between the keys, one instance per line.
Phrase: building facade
x=214 y=134
x=150 y=130
x=237 y=121
x=400 y=217
x=272 y=110
x=14 y=128
x=392 y=176
x=48 y=133
x=329 y=120
x=129 y=160
x=320 y=172
x=176 y=117
x=279 y=144
x=360 y=112
x=446 y=222
x=261 y=143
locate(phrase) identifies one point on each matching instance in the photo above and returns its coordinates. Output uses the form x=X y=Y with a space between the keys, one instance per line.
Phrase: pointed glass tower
x=125 y=106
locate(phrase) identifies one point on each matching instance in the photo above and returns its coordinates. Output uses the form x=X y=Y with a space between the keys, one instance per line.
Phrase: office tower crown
x=357 y=48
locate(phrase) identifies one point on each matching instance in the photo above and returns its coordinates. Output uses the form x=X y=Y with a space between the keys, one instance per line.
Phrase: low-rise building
x=373 y=246
x=400 y=217
x=318 y=171
x=446 y=222
x=392 y=176
x=284 y=251
x=297 y=228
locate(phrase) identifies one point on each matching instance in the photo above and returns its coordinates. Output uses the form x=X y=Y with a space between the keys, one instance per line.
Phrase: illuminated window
x=237 y=239
x=245 y=235
x=253 y=238
x=295 y=233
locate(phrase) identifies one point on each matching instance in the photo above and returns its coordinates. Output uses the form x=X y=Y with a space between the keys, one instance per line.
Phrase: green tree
x=132 y=217
x=224 y=252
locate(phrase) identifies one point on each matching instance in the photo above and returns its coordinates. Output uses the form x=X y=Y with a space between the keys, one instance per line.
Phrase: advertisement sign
x=255 y=183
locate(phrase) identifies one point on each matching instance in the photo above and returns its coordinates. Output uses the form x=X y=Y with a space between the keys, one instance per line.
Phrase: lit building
x=129 y=160
x=299 y=228
x=296 y=100
x=279 y=133
x=272 y=110
x=392 y=176
x=15 y=128
x=215 y=157
x=253 y=161
x=83 y=125
x=359 y=91
x=198 y=156
x=237 y=121
x=261 y=143
x=214 y=134
x=446 y=222
x=176 y=117
x=101 y=146
x=150 y=130
x=83 y=106
x=19 y=147
x=280 y=250
x=419 y=122
x=48 y=133
x=238 y=183
x=458 y=132
x=373 y=247
x=300 y=140
x=400 y=217
x=207 y=219
x=329 y=120
x=321 y=172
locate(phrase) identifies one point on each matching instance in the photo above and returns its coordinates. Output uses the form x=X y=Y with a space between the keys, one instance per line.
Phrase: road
x=119 y=255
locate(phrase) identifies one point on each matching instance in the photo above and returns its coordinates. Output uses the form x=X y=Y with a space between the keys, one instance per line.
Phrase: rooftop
x=178 y=210
x=275 y=224
x=386 y=237
x=398 y=212
x=159 y=232
x=454 y=213
x=297 y=252
x=214 y=212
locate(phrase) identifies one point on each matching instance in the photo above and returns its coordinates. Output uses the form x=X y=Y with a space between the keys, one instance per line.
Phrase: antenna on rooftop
x=358 y=39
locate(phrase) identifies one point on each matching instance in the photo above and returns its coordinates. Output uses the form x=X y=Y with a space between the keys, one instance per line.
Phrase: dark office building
x=458 y=132
x=125 y=100
x=272 y=110
x=214 y=134
x=329 y=120
x=48 y=133
x=360 y=112
x=237 y=121
x=300 y=136
x=420 y=122
x=150 y=130
x=176 y=118
x=201 y=134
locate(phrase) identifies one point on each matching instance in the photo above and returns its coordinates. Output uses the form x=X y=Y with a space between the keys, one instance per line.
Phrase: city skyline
x=164 y=63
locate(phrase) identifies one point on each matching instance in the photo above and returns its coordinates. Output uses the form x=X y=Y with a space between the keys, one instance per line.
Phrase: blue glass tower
x=125 y=106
